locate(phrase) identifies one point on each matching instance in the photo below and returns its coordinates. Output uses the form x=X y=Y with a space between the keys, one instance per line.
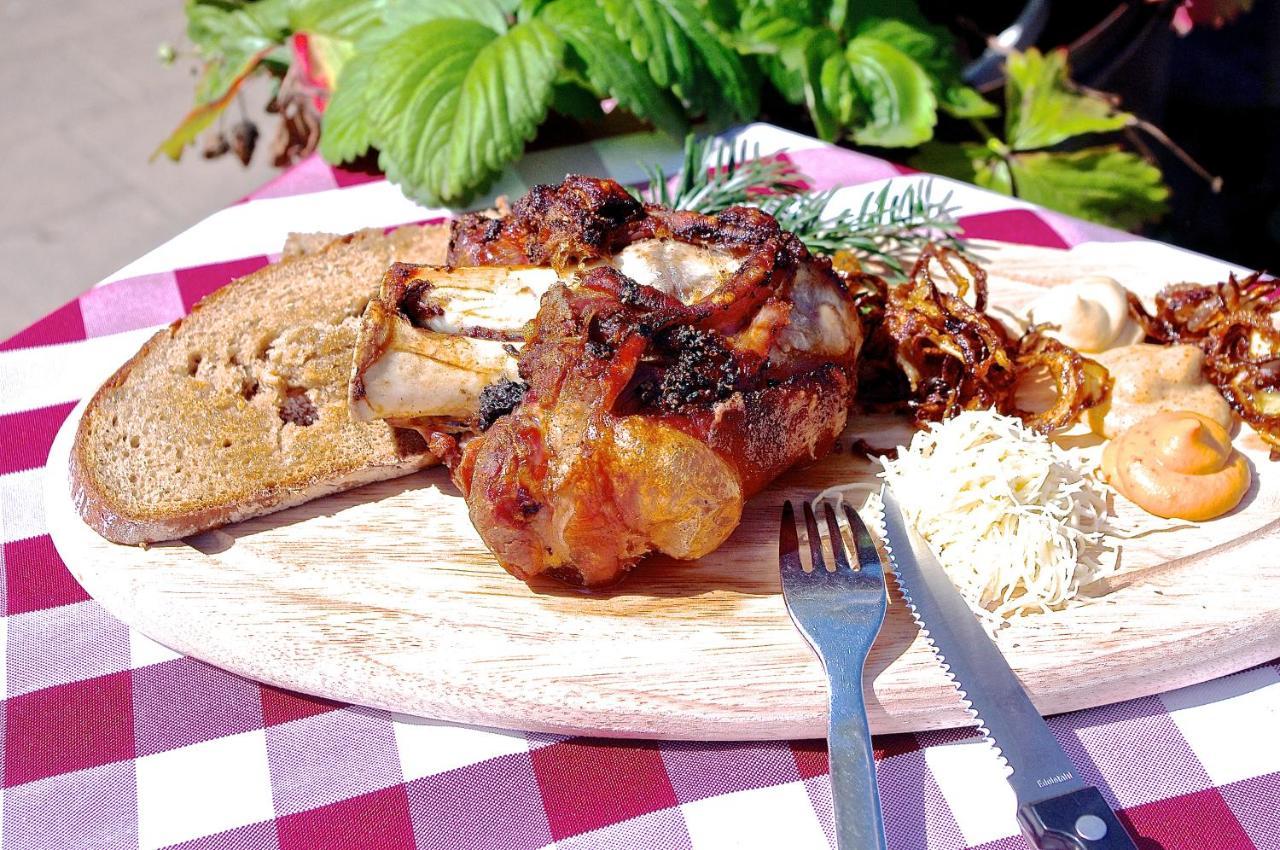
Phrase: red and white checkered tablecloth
x=113 y=741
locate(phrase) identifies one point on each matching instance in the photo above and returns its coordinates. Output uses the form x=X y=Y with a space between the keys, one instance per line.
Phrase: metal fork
x=839 y=613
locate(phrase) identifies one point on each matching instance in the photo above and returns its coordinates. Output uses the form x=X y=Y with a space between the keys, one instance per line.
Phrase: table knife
x=1056 y=810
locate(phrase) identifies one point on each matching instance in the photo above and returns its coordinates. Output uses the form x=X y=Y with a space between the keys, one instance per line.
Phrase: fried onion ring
x=1081 y=383
x=956 y=357
x=1234 y=324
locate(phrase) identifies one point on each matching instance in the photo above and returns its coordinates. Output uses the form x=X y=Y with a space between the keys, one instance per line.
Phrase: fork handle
x=855 y=794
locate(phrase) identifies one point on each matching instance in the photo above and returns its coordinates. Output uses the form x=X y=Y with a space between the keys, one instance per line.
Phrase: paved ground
x=83 y=102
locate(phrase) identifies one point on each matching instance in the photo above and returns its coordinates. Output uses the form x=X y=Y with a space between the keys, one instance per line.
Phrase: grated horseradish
x=1017 y=521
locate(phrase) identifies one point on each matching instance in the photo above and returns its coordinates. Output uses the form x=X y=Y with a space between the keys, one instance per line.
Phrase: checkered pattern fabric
x=113 y=741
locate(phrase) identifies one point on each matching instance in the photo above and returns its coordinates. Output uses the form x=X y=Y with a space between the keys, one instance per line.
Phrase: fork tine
x=868 y=556
x=839 y=614
x=788 y=542
x=815 y=542
x=837 y=539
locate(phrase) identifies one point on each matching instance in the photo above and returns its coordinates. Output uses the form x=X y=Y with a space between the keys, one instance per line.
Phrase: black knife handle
x=1077 y=820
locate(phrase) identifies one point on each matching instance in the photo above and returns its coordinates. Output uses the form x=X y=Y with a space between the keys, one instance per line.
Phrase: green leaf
x=837 y=14
x=191 y=126
x=723 y=13
x=963 y=161
x=994 y=174
x=765 y=34
x=933 y=48
x=346 y=129
x=838 y=91
x=795 y=56
x=526 y=9
x=227 y=34
x=787 y=80
x=574 y=101
x=1104 y=184
x=344 y=19
x=329 y=55
x=195 y=121
x=456 y=102
x=961 y=101
x=609 y=66
x=824 y=96
x=898 y=96
x=858 y=12
x=811 y=12
x=673 y=39
x=1042 y=107
x=761 y=30
x=217 y=27
x=801 y=13
x=401 y=15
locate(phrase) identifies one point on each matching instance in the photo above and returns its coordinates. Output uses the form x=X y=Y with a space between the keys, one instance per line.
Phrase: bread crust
x=100 y=513
x=104 y=512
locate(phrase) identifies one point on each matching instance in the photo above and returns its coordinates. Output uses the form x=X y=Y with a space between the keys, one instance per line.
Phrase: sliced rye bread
x=240 y=408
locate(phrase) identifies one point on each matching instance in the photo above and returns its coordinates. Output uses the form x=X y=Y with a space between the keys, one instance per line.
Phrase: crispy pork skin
x=651 y=411
x=582 y=218
x=608 y=379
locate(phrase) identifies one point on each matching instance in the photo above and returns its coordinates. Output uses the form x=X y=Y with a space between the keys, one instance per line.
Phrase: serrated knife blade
x=1057 y=811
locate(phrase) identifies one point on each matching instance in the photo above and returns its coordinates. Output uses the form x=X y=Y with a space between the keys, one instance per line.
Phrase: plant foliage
x=448 y=92
x=1043 y=110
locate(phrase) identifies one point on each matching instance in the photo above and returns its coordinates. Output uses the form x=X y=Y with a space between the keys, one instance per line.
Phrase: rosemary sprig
x=712 y=179
x=887 y=228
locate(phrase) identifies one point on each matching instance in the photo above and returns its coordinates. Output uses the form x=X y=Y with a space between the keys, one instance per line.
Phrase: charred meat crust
x=727 y=382
x=584 y=218
x=701 y=369
x=581 y=218
x=546 y=485
x=498 y=400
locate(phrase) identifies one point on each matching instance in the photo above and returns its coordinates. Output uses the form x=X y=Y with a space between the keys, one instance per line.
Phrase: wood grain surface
x=385 y=596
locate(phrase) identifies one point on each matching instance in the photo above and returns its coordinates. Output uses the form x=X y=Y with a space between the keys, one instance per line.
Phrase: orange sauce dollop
x=1177 y=464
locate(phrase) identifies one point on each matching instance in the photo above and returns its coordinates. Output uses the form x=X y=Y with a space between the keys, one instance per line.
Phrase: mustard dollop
x=1177 y=464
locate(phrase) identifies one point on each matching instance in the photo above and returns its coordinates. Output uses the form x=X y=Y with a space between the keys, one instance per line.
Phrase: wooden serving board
x=385 y=596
